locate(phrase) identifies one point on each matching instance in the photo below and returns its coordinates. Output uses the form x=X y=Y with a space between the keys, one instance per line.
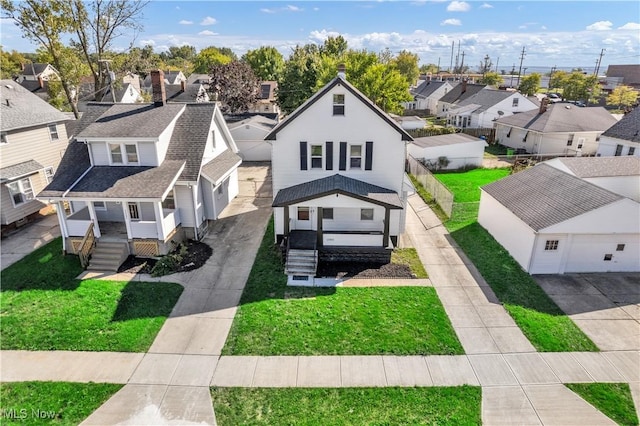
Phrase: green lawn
x=274 y=319
x=465 y=186
x=348 y=406
x=613 y=399
x=58 y=403
x=43 y=307
x=409 y=256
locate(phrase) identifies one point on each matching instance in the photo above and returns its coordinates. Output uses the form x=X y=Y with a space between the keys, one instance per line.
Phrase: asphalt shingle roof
x=589 y=167
x=34 y=69
x=630 y=73
x=457 y=95
x=174 y=92
x=543 y=196
x=562 y=117
x=628 y=128
x=257 y=120
x=427 y=87
x=486 y=98
x=215 y=169
x=440 y=140
x=18 y=170
x=341 y=185
x=20 y=108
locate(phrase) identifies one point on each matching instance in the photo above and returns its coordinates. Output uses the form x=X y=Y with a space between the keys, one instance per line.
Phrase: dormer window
x=130 y=151
x=338 y=104
x=116 y=153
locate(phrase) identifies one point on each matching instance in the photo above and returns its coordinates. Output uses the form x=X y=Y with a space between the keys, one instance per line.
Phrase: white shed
x=249 y=136
x=553 y=222
x=459 y=149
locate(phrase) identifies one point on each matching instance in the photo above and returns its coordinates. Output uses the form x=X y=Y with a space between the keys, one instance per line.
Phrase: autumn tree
x=491 y=79
x=235 y=85
x=407 y=65
x=266 y=62
x=530 y=84
x=211 y=56
x=623 y=97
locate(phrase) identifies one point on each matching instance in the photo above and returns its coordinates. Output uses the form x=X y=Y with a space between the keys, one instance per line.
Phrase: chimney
x=464 y=85
x=183 y=86
x=41 y=82
x=543 y=105
x=157 y=88
x=342 y=71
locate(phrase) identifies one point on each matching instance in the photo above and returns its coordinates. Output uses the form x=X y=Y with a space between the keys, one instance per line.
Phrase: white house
x=128 y=94
x=456 y=95
x=37 y=72
x=144 y=176
x=483 y=108
x=338 y=180
x=427 y=94
x=249 y=134
x=556 y=129
x=553 y=222
x=448 y=152
x=623 y=138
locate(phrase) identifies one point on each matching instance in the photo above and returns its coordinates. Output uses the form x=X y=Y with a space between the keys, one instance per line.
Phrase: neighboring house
x=267 y=98
x=35 y=72
x=483 y=108
x=559 y=129
x=128 y=94
x=409 y=122
x=448 y=152
x=629 y=75
x=145 y=176
x=170 y=77
x=33 y=140
x=456 y=95
x=249 y=134
x=38 y=87
x=427 y=94
x=133 y=79
x=203 y=79
x=552 y=222
x=623 y=138
x=338 y=180
x=184 y=92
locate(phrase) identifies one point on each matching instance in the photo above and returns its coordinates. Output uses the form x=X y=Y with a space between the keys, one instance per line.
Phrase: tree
x=211 y=56
x=485 y=65
x=429 y=68
x=491 y=79
x=530 y=84
x=386 y=87
x=266 y=62
x=235 y=85
x=299 y=77
x=623 y=97
x=407 y=64
x=72 y=67
x=334 y=47
x=578 y=86
x=10 y=63
x=137 y=60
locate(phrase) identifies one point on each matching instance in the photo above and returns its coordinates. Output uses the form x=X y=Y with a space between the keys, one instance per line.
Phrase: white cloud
x=207 y=33
x=148 y=42
x=600 y=26
x=208 y=21
x=455 y=22
x=315 y=9
x=265 y=10
x=292 y=8
x=543 y=28
x=486 y=6
x=630 y=26
x=185 y=22
x=458 y=6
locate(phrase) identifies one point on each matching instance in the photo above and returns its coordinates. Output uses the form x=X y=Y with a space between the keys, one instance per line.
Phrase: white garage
x=553 y=222
x=460 y=150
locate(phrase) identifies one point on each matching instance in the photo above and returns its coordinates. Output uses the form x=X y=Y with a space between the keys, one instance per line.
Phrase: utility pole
x=553 y=69
x=599 y=62
x=453 y=43
x=111 y=76
x=520 y=69
x=462 y=63
x=438 y=71
x=497 y=61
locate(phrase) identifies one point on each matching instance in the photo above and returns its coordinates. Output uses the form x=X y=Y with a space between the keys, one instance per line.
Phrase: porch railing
x=86 y=246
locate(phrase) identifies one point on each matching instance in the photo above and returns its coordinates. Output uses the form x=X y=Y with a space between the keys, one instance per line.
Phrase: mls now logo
x=21 y=414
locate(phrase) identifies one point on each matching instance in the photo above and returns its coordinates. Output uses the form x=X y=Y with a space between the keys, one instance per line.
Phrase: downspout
x=195 y=211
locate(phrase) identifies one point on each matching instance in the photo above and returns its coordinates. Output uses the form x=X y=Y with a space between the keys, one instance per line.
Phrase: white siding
x=147 y=154
x=252 y=150
x=99 y=153
x=620 y=217
x=548 y=261
x=547 y=143
x=207 y=199
x=608 y=145
x=459 y=155
x=113 y=213
x=587 y=253
x=627 y=186
x=184 y=204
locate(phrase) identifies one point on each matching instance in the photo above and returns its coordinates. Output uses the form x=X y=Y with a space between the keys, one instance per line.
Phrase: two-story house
x=33 y=139
x=338 y=180
x=456 y=95
x=427 y=94
x=36 y=72
x=623 y=138
x=145 y=176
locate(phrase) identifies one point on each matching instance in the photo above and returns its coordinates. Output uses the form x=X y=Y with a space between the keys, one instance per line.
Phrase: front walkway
x=170 y=383
x=23 y=241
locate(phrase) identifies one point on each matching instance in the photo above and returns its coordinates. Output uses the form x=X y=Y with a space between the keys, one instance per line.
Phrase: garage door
x=603 y=253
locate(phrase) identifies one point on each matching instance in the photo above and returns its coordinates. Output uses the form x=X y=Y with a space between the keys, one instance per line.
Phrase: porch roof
x=128 y=182
x=338 y=184
x=19 y=170
x=215 y=169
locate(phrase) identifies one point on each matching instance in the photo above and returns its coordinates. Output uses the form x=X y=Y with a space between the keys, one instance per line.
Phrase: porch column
x=286 y=220
x=319 y=230
x=194 y=198
x=62 y=221
x=159 y=220
x=387 y=219
x=127 y=219
x=94 y=218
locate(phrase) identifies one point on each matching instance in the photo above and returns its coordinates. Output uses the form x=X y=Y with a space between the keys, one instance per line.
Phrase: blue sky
x=562 y=33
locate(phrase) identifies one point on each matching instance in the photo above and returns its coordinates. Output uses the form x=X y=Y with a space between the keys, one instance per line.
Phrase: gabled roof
x=630 y=73
x=22 y=109
x=543 y=196
x=485 y=98
x=259 y=121
x=320 y=93
x=19 y=170
x=119 y=93
x=442 y=140
x=457 y=95
x=562 y=117
x=198 y=79
x=591 y=167
x=215 y=169
x=628 y=128
x=337 y=184
x=34 y=69
x=175 y=93
x=428 y=87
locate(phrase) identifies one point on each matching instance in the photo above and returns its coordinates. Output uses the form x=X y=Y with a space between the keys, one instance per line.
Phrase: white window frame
x=48 y=174
x=364 y=214
x=338 y=104
x=3 y=138
x=355 y=157
x=53 y=132
x=136 y=207
x=112 y=146
x=515 y=102
x=301 y=209
x=26 y=193
x=102 y=207
x=128 y=154
x=123 y=153
x=316 y=157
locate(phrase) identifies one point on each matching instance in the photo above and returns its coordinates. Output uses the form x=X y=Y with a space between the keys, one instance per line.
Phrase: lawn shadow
x=146 y=300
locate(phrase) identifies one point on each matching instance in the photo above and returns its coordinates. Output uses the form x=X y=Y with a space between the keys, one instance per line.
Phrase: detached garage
x=552 y=222
x=459 y=149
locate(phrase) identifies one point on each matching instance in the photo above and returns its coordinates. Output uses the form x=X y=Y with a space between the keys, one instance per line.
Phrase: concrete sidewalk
x=25 y=240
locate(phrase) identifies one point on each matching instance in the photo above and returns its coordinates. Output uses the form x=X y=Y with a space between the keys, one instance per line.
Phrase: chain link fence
x=438 y=191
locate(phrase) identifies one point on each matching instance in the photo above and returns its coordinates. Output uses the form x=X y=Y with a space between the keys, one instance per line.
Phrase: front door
x=303 y=219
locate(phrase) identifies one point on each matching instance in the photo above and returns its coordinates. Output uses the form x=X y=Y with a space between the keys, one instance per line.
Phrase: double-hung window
x=48 y=174
x=53 y=132
x=116 y=153
x=355 y=156
x=123 y=153
x=338 y=104
x=316 y=156
x=20 y=191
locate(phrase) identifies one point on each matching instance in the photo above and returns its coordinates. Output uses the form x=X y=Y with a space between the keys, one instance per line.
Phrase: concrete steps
x=301 y=262
x=108 y=256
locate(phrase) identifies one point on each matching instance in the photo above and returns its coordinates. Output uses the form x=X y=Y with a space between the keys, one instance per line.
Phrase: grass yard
x=613 y=399
x=59 y=403
x=274 y=319
x=409 y=257
x=465 y=186
x=43 y=307
x=348 y=406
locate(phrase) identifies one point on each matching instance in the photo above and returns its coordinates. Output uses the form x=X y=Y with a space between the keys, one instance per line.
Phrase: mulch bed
x=363 y=270
x=197 y=255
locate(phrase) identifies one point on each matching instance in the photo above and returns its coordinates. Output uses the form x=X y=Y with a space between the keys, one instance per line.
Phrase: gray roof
x=628 y=128
x=19 y=170
x=198 y=78
x=320 y=93
x=427 y=87
x=257 y=120
x=543 y=196
x=215 y=169
x=630 y=73
x=562 y=117
x=73 y=164
x=34 y=69
x=589 y=167
x=175 y=93
x=127 y=181
x=486 y=98
x=457 y=95
x=24 y=109
x=132 y=120
x=119 y=93
x=441 y=140
x=337 y=184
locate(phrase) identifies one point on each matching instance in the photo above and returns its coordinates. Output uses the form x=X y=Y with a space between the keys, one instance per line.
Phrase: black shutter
x=329 y=161
x=303 y=156
x=368 y=159
x=343 y=156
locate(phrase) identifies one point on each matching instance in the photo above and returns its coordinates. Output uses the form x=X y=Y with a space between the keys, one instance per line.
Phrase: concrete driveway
x=25 y=240
x=605 y=306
